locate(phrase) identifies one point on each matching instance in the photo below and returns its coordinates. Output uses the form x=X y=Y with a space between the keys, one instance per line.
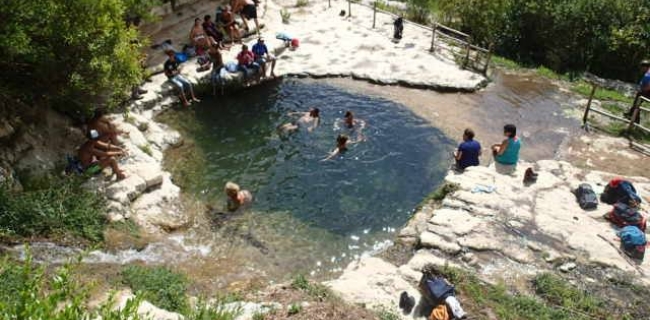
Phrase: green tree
x=72 y=54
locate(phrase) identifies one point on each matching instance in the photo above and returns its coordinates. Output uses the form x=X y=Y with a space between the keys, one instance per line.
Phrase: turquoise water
x=301 y=203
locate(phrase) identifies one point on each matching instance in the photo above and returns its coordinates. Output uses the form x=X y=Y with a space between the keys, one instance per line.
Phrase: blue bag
x=180 y=57
x=631 y=237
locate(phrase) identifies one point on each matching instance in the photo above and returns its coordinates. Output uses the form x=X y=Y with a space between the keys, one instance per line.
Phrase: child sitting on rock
x=237 y=197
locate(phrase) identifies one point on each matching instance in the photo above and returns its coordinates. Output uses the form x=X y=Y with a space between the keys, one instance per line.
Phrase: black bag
x=586 y=196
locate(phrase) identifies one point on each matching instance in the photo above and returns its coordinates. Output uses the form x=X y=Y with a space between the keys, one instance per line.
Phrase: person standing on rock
x=643 y=90
x=468 y=151
x=96 y=155
x=247 y=10
x=173 y=73
x=507 y=153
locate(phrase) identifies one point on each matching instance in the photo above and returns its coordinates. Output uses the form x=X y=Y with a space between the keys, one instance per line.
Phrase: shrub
x=70 y=54
x=286 y=16
x=314 y=290
x=159 y=285
x=27 y=292
x=294 y=308
x=302 y=3
x=55 y=207
x=205 y=311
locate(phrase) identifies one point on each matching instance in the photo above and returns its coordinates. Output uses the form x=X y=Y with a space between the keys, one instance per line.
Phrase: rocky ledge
x=502 y=229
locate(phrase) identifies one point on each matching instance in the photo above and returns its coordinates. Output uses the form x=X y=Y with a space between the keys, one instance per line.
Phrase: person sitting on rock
x=228 y=20
x=198 y=37
x=96 y=155
x=211 y=30
x=468 y=151
x=309 y=120
x=507 y=153
x=342 y=142
x=237 y=197
x=173 y=73
x=106 y=129
x=246 y=63
x=247 y=10
x=262 y=57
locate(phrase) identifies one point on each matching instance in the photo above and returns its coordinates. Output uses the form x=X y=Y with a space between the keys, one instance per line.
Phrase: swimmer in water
x=237 y=197
x=342 y=142
x=309 y=120
x=355 y=125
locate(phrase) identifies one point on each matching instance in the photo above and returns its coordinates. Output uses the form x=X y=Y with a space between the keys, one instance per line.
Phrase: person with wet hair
x=237 y=197
x=468 y=152
x=507 y=152
x=342 y=142
x=356 y=125
x=309 y=120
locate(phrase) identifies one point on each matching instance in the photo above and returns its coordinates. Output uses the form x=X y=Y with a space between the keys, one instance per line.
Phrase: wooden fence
x=638 y=106
x=445 y=40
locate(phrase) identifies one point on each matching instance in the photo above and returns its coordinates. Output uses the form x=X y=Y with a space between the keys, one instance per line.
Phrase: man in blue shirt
x=468 y=151
x=262 y=56
x=643 y=90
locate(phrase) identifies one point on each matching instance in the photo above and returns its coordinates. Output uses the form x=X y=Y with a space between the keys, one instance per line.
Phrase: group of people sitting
x=204 y=34
x=505 y=153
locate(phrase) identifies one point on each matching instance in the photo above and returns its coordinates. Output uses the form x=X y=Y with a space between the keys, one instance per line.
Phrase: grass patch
x=302 y=3
x=584 y=88
x=314 y=290
x=285 y=15
x=28 y=292
x=159 y=285
x=294 y=308
x=53 y=207
x=146 y=148
x=205 y=311
x=506 y=63
x=127 y=227
x=441 y=193
x=385 y=314
x=555 y=299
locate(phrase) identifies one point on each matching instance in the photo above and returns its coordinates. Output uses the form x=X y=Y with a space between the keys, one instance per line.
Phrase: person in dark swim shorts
x=247 y=10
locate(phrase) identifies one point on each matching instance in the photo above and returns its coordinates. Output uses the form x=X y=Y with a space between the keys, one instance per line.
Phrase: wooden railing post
x=349 y=8
x=433 y=37
x=329 y=3
x=585 y=118
x=468 y=47
x=636 y=110
x=374 y=14
x=488 y=58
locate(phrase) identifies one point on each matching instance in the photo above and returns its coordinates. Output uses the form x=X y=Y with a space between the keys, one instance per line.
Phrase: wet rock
x=567 y=267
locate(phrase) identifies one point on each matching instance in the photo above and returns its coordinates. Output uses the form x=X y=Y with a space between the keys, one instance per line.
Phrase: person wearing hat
x=643 y=90
x=262 y=56
x=96 y=155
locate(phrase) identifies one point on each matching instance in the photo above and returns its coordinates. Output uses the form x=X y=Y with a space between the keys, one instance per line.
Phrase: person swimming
x=356 y=125
x=237 y=197
x=342 y=143
x=309 y=120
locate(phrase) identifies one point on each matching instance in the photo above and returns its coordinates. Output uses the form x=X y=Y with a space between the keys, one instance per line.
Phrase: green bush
x=314 y=290
x=605 y=37
x=74 y=55
x=159 y=285
x=27 y=292
x=55 y=207
x=204 y=311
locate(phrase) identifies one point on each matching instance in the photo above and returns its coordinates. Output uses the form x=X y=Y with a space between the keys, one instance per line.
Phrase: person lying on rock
x=96 y=155
x=309 y=120
x=173 y=73
x=199 y=39
x=355 y=125
x=247 y=10
x=106 y=129
x=237 y=197
x=468 y=151
x=262 y=57
x=228 y=20
x=246 y=64
x=507 y=153
x=342 y=142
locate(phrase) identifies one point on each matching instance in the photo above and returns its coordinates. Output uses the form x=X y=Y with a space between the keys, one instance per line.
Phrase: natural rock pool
x=308 y=216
